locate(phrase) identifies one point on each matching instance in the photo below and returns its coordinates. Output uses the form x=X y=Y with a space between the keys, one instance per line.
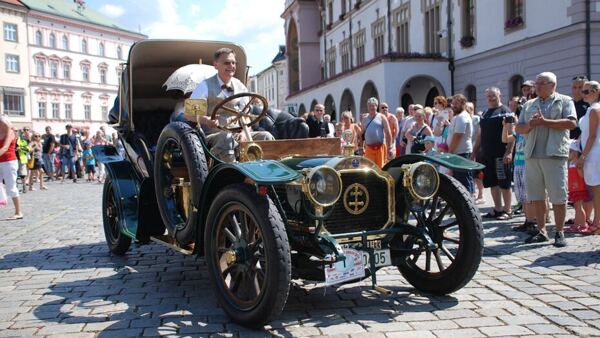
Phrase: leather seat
x=283 y=125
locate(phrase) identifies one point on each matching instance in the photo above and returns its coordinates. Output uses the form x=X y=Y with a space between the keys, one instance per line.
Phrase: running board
x=169 y=242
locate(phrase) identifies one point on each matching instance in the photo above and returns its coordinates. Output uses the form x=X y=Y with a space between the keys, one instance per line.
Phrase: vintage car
x=288 y=209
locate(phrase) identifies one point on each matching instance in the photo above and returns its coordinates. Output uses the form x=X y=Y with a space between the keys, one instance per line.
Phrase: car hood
x=335 y=162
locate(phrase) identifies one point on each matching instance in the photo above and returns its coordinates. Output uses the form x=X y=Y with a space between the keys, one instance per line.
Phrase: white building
x=272 y=81
x=14 y=75
x=75 y=57
x=341 y=52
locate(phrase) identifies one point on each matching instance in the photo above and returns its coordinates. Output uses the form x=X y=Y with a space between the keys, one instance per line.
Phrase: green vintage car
x=289 y=209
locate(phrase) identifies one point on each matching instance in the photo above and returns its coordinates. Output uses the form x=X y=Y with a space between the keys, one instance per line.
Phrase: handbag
x=30 y=162
x=418 y=143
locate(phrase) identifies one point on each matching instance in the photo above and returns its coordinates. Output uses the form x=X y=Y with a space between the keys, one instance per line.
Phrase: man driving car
x=214 y=90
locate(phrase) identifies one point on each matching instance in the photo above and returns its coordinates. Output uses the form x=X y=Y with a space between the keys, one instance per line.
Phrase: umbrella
x=188 y=77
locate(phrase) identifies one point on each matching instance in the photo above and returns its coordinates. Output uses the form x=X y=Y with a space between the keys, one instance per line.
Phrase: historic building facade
x=341 y=52
x=272 y=81
x=75 y=59
x=14 y=75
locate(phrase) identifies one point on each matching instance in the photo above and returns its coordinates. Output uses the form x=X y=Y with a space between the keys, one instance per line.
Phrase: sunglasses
x=587 y=91
x=579 y=78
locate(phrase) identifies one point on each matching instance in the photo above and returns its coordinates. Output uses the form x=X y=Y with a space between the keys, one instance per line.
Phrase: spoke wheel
x=117 y=242
x=453 y=223
x=247 y=255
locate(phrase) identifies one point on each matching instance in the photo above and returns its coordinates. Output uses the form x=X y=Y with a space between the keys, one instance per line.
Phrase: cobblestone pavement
x=57 y=280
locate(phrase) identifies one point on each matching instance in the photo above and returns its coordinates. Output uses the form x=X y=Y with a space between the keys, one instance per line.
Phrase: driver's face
x=226 y=66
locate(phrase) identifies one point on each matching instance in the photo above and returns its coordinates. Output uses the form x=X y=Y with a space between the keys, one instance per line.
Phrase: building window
x=331 y=61
x=515 y=85
x=66 y=71
x=514 y=14
x=471 y=93
x=343 y=7
x=432 y=27
x=39 y=68
x=101 y=49
x=345 y=54
x=65 y=42
x=42 y=110
x=13 y=102
x=52 y=40
x=468 y=23
x=10 y=32
x=330 y=12
x=54 y=69
x=68 y=111
x=359 y=44
x=12 y=63
x=84 y=47
x=103 y=76
x=104 y=113
x=55 y=110
x=402 y=22
x=85 y=73
x=87 y=112
x=38 y=38
x=377 y=33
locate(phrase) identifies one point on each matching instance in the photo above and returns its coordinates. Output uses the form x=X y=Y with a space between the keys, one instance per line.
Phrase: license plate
x=351 y=268
x=382 y=258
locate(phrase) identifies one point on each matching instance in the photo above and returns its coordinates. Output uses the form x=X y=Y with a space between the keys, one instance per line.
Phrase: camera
x=509 y=119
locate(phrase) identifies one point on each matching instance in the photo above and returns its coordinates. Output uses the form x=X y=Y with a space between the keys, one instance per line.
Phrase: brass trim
x=408 y=171
x=251 y=152
x=306 y=189
x=352 y=204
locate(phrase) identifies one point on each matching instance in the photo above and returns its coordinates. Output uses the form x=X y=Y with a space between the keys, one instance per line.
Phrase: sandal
x=592 y=230
x=493 y=214
x=504 y=216
x=14 y=217
x=576 y=228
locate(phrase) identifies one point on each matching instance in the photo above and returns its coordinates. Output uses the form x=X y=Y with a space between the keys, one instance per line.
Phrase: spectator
x=100 y=140
x=393 y=123
x=429 y=117
x=401 y=118
x=118 y=144
x=527 y=92
x=348 y=124
x=90 y=162
x=495 y=155
x=581 y=106
x=23 y=155
x=409 y=124
x=35 y=170
x=330 y=127
x=546 y=121
x=48 y=152
x=459 y=138
x=417 y=133
x=9 y=165
x=589 y=160
x=68 y=147
x=578 y=192
x=376 y=133
x=316 y=125
x=429 y=142
x=478 y=175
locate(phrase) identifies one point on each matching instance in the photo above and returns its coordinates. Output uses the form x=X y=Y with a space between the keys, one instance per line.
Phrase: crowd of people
x=543 y=147
x=32 y=158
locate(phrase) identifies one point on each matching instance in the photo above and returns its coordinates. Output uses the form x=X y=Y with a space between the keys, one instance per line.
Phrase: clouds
x=256 y=25
x=112 y=11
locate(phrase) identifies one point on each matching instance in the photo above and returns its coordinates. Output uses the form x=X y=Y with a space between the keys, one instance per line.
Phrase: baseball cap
x=528 y=83
x=429 y=138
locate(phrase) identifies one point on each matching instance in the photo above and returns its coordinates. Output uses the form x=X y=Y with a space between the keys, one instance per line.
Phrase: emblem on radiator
x=356 y=199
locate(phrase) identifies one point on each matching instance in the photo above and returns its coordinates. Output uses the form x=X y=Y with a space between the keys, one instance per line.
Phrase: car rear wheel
x=453 y=223
x=248 y=255
x=118 y=243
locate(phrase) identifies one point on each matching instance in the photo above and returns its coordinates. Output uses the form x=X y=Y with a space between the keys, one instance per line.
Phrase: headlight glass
x=324 y=186
x=422 y=181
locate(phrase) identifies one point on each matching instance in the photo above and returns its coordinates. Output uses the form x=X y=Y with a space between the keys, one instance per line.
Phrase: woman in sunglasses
x=589 y=159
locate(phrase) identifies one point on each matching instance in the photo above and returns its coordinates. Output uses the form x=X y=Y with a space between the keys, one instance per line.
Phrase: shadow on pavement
x=154 y=291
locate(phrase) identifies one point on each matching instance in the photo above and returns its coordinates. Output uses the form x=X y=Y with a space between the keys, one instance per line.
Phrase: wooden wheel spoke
x=447 y=253
x=453 y=240
x=434 y=205
x=236 y=281
x=427 y=260
x=230 y=235
x=416 y=257
x=231 y=110
x=236 y=225
x=245 y=225
x=228 y=271
x=449 y=225
x=438 y=259
x=440 y=217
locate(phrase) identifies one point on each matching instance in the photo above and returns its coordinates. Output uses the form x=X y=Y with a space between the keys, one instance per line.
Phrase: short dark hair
x=222 y=51
x=460 y=98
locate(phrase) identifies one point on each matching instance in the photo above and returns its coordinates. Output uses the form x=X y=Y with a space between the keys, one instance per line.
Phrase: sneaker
x=559 y=240
x=539 y=237
x=518 y=209
x=531 y=229
x=523 y=227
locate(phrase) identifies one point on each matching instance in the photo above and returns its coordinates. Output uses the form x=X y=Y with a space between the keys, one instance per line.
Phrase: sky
x=256 y=25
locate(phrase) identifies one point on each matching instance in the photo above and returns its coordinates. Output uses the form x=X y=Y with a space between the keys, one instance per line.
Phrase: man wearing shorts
x=545 y=121
x=495 y=155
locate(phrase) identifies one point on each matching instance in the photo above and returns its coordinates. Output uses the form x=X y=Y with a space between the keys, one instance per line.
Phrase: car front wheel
x=248 y=255
x=118 y=243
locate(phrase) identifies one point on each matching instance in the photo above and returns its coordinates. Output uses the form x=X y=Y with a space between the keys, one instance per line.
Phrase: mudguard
x=267 y=172
x=126 y=187
x=451 y=161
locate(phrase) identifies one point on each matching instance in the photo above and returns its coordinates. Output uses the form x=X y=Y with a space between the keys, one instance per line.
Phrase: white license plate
x=382 y=258
x=351 y=268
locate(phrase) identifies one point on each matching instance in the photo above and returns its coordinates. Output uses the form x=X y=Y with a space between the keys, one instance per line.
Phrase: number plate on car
x=382 y=258
x=347 y=270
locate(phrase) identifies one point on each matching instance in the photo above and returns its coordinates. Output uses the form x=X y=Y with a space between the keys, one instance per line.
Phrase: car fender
x=126 y=187
x=264 y=172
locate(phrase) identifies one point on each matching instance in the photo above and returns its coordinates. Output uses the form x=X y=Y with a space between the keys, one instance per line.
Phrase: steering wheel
x=243 y=115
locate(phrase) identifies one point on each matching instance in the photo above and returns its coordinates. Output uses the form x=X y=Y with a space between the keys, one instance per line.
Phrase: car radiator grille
x=373 y=218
